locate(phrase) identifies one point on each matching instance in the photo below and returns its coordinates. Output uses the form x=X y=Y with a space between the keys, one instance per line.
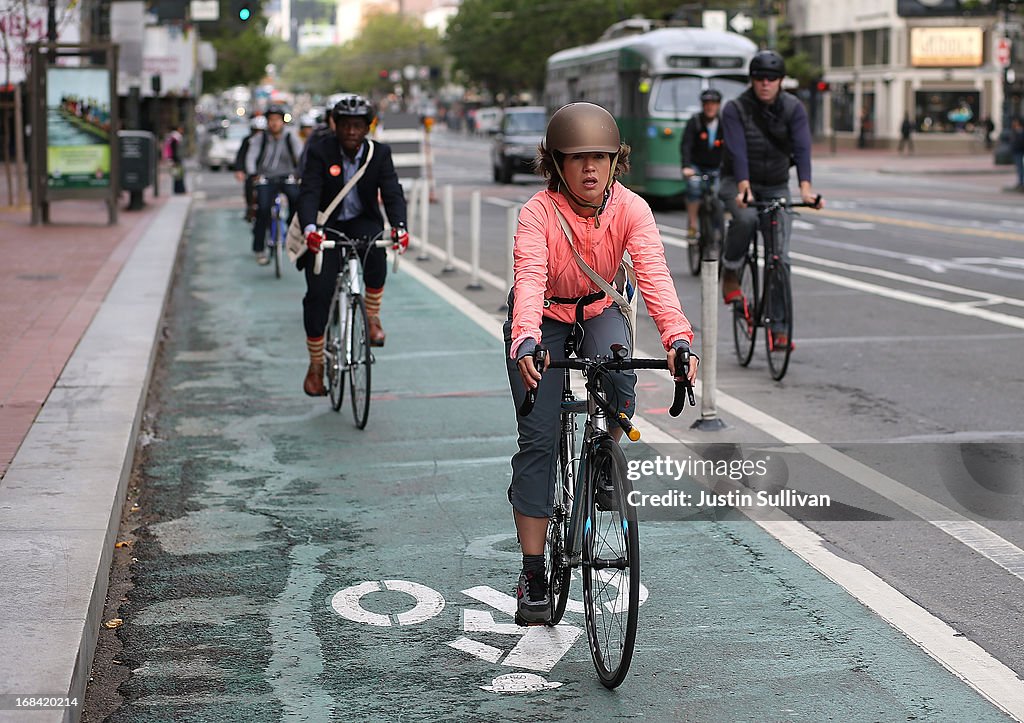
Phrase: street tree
x=504 y=44
x=388 y=42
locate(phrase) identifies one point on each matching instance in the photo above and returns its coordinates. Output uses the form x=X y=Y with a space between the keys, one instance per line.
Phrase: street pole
x=1003 y=154
x=51 y=29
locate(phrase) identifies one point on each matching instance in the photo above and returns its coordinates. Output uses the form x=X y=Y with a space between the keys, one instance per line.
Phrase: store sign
x=946 y=47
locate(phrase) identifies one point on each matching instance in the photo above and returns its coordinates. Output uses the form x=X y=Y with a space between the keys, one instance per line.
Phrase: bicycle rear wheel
x=611 y=567
x=359 y=362
x=334 y=354
x=745 y=313
x=779 y=319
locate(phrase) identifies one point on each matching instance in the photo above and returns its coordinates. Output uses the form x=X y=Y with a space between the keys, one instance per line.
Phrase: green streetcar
x=650 y=80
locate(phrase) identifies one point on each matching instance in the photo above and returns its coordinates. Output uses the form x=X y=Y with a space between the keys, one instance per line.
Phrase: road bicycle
x=710 y=222
x=347 y=338
x=767 y=301
x=593 y=526
x=277 y=232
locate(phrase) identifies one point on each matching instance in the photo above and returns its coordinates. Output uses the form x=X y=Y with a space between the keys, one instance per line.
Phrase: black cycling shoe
x=606 y=498
x=534 y=606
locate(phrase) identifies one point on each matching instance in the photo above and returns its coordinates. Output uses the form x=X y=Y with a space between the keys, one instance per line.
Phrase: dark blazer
x=319 y=187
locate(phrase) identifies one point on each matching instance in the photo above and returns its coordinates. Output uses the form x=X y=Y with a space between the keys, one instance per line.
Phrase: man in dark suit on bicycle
x=330 y=162
x=766 y=132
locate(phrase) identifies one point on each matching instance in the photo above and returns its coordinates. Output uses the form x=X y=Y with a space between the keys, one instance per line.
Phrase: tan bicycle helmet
x=580 y=128
x=583 y=128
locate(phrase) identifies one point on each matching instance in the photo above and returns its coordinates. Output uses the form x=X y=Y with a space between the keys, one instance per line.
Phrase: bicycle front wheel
x=744 y=312
x=694 y=247
x=278 y=248
x=611 y=566
x=779 y=319
x=359 y=362
x=334 y=354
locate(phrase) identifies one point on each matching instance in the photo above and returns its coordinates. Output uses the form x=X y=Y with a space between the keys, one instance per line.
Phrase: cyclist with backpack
x=571 y=234
x=274 y=155
x=766 y=132
x=701 y=151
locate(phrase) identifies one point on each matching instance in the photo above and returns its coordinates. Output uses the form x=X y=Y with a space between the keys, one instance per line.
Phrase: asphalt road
x=263 y=513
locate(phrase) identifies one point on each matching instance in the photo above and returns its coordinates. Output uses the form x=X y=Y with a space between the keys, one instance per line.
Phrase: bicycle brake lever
x=539 y=356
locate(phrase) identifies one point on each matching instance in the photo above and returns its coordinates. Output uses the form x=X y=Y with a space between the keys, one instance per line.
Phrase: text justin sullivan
x=702 y=498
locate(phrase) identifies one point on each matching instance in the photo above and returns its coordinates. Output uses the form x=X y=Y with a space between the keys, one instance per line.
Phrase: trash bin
x=138 y=159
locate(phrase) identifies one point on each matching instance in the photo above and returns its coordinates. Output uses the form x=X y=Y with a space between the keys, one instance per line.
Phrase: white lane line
x=966 y=659
x=936 y=265
x=964 y=309
x=904 y=279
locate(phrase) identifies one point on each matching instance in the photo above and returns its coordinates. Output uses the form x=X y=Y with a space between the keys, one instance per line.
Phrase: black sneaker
x=606 y=498
x=534 y=606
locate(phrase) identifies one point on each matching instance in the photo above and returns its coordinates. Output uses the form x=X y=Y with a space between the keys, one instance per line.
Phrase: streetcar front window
x=681 y=93
x=728 y=87
x=678 y=94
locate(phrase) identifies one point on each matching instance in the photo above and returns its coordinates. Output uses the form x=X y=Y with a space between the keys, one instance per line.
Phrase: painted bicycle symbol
x=537 y=649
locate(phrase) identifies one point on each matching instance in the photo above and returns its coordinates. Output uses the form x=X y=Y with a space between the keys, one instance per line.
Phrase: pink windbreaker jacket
x=545 y=266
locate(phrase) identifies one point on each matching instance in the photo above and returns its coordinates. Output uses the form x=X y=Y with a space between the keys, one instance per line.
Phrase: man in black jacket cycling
x=766 y=132
x=701 y=151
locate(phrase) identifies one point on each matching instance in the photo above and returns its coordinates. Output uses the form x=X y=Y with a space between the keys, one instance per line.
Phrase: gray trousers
x=745 y=221
x=534 y=465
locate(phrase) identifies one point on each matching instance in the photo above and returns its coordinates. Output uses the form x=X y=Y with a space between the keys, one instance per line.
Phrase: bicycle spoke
x=745 y=313
x=611 y=580
x=360 y=355
x=334 y=355
x=779 y=319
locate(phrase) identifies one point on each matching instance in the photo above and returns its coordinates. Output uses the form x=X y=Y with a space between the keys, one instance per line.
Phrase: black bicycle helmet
x=767 y=64
x=277 y=110
x=710 y=95
x=353 y=106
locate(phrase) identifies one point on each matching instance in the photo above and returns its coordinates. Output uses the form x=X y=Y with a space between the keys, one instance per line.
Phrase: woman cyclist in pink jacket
x=553 y=300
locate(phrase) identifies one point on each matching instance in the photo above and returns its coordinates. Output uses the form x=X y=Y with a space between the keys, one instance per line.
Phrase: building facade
x=935 y=62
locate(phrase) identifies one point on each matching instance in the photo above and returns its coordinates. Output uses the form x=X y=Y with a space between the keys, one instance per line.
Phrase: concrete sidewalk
x=81 y=304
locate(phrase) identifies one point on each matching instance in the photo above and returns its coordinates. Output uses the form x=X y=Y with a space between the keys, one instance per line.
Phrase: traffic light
x=242 y=12
x=823 y=86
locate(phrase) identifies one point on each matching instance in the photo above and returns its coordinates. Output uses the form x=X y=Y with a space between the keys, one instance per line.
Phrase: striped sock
x=373 y=298
x=315 y=347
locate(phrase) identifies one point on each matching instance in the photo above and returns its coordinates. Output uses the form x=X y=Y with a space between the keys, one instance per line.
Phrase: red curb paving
x=53 y=281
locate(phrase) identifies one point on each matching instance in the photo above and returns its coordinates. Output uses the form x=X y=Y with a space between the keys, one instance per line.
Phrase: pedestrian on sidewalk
x=1017 y=149
x=174 y=152
x=987 y=126
x=906 y=128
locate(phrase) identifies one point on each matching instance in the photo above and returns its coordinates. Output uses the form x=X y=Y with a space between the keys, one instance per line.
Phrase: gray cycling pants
x=745 y=221
x=534 y=465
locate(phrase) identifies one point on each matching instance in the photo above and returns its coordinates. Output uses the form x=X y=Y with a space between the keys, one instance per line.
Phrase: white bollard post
x=424 y=209
x=511 y=214
x=474 y=242
x=709 y=421
x=449 y=231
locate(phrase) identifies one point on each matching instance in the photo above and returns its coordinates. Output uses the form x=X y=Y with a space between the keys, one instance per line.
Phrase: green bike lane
x=292 y=567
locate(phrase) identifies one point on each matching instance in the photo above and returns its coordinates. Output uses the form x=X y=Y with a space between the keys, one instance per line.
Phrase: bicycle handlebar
x=617 y=362
x=343 y=241
x=780 y=203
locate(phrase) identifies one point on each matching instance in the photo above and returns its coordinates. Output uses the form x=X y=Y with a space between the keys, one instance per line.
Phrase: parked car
x=515 y=145
x=223 y=146
x=487 y=121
